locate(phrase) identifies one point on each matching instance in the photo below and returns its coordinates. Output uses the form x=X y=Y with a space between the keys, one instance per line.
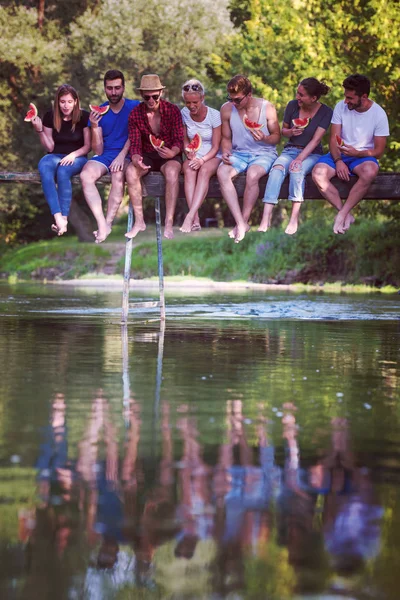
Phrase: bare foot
x=349 y=220
x=187 y=224
x=60 y=226
x=196 y=227
x=102 y=234
x=137 y=228
x=240 y=233
x=95 y=233
x=292 y=227
x=233 y=233
x=169 y=232
x=338 y=225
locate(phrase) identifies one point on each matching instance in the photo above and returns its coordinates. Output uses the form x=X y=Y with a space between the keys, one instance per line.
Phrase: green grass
x=65 y=258
x=367 y=256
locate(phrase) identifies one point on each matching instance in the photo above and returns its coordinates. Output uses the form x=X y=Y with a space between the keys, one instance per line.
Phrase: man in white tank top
x=245 y=150
x=359 y=129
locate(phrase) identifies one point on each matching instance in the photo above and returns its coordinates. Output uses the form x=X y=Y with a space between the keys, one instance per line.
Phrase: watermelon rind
x=155 y=142
x=195 y=144
x=251 y=125
x=339 y=140
x=32 y=113
x=99 y=109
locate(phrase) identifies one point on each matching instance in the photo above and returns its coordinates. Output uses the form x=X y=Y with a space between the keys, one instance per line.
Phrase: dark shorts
x=155 y=162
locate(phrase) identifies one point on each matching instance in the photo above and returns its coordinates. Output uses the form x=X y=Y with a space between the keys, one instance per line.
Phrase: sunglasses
x=195 y=87
x=236 y=100
x=154 y=96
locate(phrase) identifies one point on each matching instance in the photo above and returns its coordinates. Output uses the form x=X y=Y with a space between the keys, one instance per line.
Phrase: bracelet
x=335 y=160
x=40 y=131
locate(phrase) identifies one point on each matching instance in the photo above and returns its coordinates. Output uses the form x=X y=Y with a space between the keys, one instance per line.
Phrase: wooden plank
x=385 y=187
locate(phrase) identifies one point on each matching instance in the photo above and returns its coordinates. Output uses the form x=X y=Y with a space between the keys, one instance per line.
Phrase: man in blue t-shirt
x=110 y=144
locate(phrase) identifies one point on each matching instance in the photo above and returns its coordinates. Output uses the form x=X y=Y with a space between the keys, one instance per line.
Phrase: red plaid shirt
x=171 y=128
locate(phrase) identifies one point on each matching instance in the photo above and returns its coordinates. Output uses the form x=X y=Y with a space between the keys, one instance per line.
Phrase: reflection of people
x=352 y=515
x=65 y=135
x=363 y=127
x=301 y=152
x=201 y=165
x=243 y=150
x=157 y=117
x=111 y=145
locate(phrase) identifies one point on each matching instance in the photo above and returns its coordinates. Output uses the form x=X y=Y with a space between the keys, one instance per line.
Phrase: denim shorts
x=350 y=161
x=241 y=161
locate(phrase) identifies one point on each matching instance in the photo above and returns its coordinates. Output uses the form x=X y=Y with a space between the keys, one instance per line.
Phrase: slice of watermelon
x=339 y=140
x=251 y=125
x=99 y=109
x=32 y=113
x=301 y=123
x=155 y=142
x=195 y=144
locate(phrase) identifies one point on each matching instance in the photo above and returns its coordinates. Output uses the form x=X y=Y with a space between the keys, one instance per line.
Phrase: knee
x=277 y=169
x=368 y=172
x=172 y=174
x=253 y=177
x=319 y=175
x=44 y=165
x=87 y=177
x=223 y=174
x=131 y=174
x=118 y=179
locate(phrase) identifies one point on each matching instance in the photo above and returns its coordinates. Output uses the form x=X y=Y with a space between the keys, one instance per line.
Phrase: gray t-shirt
x=322 y=118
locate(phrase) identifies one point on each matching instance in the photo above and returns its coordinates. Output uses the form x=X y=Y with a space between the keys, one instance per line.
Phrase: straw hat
x=150 y=82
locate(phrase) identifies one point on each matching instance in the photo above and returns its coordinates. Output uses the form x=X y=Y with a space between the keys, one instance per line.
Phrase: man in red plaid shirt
x=163 y=120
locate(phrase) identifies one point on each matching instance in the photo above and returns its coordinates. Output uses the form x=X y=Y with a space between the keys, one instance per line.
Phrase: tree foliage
x=277 y=43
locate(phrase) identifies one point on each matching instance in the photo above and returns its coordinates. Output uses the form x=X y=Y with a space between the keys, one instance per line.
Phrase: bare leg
x=170 y=170
x=133 y=176
x=294 y=218
x=90 y=173
x=252 y=190
x=366 y=171
x=190 y=179
x=200 y=192
x=225 y=175
x=266 y=218
x=116 y=194
x=322 y=175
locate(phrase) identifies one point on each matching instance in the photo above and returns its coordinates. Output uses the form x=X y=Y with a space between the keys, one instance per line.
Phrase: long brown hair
x=63 y=90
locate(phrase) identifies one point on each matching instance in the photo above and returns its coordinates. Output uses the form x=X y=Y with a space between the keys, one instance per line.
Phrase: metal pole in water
x=160 y=259
x=127 y=270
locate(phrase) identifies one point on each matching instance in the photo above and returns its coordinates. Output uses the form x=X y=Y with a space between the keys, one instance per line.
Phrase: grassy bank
x=368 y=254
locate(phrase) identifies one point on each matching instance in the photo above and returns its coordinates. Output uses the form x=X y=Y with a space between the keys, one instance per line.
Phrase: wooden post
x=160 y=259
x=127 y=270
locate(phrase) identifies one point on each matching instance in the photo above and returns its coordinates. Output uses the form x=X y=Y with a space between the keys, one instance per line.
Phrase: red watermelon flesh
x=339 y=141
x=251 y=124
x=195 y=144
x=301 y=123
x=32 y=113
x=99 y=109
x=155 y=142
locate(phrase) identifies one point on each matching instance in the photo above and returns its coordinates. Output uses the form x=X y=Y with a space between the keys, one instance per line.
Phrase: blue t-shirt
x=115 y=126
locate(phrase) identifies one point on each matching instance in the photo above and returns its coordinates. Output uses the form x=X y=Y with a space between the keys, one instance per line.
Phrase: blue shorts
x=241 y=161
x=350 y=161
x=107 y=157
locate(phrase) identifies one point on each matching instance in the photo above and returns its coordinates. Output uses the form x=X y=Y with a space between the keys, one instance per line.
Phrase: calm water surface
x=250 y=450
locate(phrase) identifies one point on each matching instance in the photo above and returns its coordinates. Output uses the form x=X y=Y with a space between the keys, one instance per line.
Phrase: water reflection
x=213 y=461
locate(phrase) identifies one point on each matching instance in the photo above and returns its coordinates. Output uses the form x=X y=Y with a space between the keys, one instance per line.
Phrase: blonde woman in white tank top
x=199 y=166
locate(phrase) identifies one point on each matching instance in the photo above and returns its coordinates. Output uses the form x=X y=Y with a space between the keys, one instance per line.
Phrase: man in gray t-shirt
x=358 y=138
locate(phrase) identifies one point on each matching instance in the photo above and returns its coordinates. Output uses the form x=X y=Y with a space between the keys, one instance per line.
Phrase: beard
x=114 y=99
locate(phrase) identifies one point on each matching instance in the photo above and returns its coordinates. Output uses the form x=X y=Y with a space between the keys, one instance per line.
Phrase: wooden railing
x=385 y=187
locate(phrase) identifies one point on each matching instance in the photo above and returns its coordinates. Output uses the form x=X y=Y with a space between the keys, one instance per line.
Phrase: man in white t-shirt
x=358 y=138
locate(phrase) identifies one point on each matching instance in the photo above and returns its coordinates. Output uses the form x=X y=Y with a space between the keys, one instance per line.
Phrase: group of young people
x=122 y=140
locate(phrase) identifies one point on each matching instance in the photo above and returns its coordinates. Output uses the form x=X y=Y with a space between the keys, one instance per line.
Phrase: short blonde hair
x=193 y=83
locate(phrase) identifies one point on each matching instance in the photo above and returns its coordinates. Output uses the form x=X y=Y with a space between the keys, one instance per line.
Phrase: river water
x=249 y=450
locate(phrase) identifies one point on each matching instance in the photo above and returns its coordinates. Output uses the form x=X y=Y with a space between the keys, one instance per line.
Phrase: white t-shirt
x=204 y=128
x=359 y=129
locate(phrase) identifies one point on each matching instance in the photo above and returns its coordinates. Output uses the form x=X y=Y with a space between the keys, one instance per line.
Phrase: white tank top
x=242 y=140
